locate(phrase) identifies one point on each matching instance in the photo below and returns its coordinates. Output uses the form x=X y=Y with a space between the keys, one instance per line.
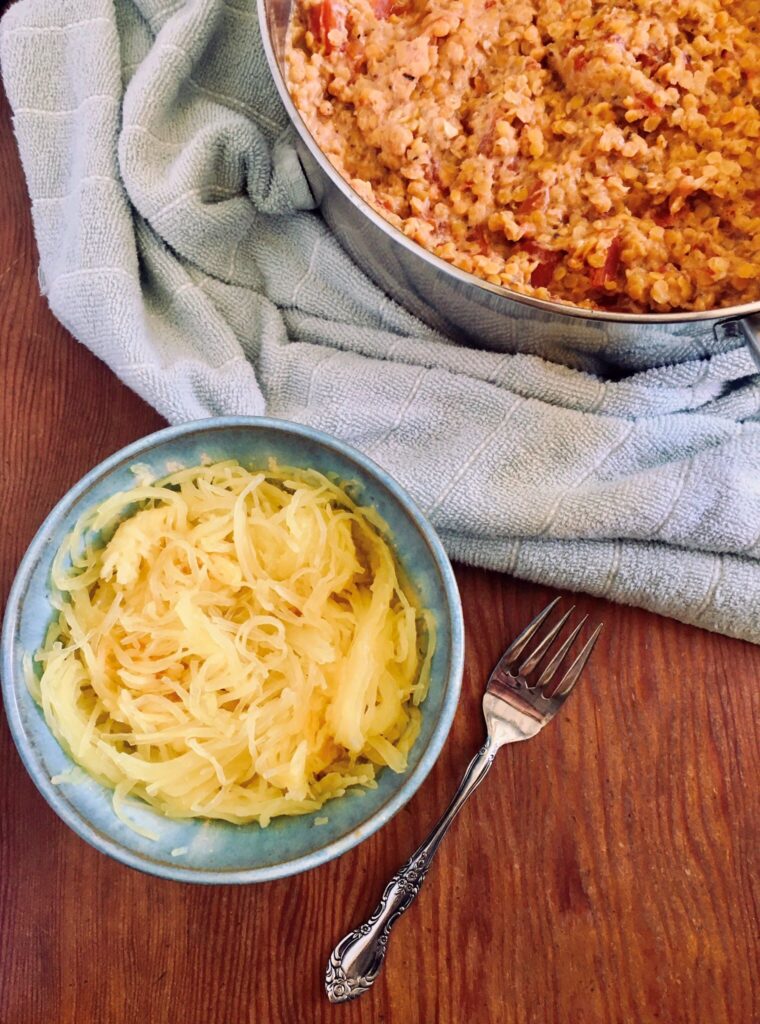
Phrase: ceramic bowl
x=203 y=850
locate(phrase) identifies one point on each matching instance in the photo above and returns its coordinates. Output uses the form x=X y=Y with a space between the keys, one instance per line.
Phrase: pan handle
x=750 y=326
x=746 y=328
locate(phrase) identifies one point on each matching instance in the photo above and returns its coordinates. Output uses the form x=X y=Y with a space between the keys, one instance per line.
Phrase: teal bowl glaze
x=208 y=851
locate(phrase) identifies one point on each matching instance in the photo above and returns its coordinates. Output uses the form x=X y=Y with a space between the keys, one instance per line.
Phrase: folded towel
x=178 y=241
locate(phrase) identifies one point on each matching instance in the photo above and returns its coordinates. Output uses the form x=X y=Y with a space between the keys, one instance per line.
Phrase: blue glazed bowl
x=210 y=851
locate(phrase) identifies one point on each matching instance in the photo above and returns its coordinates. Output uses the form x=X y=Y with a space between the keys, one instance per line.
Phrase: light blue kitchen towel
x=178 y=241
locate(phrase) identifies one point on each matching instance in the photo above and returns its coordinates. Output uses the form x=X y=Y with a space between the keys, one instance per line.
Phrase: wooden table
x=604 y=873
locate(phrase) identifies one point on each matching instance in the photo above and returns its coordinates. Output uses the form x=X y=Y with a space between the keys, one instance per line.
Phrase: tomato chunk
x=325 y=17
x=609 y=269
x=548 y=259
x=537 y=199
x=482 y=236
x=544 y=272
x=385 y=8
x=356 y=55
x=485 y=146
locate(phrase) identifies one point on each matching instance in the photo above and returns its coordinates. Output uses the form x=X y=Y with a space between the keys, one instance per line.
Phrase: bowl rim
x=555 y=306
x=411 y=781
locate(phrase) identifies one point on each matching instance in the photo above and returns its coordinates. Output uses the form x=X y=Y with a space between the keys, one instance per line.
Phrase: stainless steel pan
x=472 y=310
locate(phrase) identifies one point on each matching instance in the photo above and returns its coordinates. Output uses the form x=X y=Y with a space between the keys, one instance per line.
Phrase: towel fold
x=178 y=240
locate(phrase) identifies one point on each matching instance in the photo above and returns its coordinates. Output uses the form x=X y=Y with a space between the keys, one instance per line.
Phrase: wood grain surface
x=607 y=871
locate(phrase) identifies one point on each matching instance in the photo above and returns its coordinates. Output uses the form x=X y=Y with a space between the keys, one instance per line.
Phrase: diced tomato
x=480 y=234
x=548 y=259
x=356 y=55
x=385 y=8
x=478 y=84
x=325 y=17
x=608 y=271
x=580 y=61
x=544 y=272
x=537 y=199
x=316 y=20
x=485 y=146
x=651 y=59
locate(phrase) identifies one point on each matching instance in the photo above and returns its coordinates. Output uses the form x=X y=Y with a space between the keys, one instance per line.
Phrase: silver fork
x=515 y=708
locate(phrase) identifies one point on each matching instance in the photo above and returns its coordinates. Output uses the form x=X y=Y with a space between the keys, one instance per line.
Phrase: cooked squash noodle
x=233 y=644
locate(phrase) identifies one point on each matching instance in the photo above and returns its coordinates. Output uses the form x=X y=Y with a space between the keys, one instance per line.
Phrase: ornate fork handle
x=356 y=960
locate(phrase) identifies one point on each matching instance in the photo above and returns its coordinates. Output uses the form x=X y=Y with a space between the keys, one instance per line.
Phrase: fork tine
x=571 y=676
x=535 y=656
x=518 y=645
x=548 y=673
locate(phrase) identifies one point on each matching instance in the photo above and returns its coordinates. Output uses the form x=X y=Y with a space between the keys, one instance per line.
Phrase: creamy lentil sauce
x=606 y=155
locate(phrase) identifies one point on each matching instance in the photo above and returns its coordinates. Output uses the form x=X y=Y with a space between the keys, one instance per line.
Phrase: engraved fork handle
x=356 y=960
